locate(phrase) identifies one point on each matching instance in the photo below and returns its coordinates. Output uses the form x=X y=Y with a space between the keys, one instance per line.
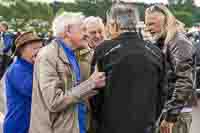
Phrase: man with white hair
x=94 y=31
x=167 y=32
x=59 y=92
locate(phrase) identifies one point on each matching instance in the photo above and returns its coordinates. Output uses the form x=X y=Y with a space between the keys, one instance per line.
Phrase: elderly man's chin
x=83 y=44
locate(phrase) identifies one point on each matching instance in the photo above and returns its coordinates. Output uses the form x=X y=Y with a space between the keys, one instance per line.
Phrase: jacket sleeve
x=22 y=82
x=93 y=62
x=182 y=61
x=56 y=97
x=8 y=42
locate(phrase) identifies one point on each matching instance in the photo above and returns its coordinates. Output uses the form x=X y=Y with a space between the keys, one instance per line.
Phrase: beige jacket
x=54 y=97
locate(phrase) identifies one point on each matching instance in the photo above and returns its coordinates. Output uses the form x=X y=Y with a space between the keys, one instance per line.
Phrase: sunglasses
x=156 y=8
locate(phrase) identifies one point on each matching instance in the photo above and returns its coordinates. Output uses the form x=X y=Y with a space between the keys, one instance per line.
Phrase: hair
x=65 y=19
x=5 y=25
x=20 y=49
x=92 y=21
x=18 y=52
x=181 y=26
x=124 y=15
x=171 y=26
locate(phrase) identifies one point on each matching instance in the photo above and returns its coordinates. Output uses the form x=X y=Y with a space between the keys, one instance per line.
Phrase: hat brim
x=26 y=43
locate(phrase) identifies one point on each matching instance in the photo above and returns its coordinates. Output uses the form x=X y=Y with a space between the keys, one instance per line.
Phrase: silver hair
x=125 y=15
x=65 y=19
x=91 y=20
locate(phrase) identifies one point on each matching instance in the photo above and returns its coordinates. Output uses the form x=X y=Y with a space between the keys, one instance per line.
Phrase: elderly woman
x=59 y=92
x=94 y=31
x=18 y=84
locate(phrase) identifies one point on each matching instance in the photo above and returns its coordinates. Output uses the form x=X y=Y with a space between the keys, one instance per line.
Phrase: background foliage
x=23 y=13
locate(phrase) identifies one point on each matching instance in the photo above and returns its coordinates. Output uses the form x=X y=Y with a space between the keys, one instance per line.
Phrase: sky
x=197 y=2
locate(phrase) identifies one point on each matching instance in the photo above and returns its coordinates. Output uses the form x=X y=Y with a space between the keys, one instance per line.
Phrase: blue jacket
x=18 y=87
x=8 y=40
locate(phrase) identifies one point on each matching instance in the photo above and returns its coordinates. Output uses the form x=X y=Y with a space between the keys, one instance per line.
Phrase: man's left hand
x=166 y=127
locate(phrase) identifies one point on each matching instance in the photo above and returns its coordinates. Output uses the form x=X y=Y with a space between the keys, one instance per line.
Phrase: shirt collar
x=24 y=62
x=71 y=46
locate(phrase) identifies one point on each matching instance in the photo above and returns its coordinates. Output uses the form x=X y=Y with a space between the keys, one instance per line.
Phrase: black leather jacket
x=179 y=55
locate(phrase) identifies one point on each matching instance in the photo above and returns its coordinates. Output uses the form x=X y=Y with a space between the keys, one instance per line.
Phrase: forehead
x=34 y=44
x=154 y=17
x=95 y=27
x=77 y=25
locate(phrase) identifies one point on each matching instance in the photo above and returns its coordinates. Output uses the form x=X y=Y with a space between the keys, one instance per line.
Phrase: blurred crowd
x=87 y=76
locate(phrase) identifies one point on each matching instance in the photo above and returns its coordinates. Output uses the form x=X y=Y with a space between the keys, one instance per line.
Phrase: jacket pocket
x=56 y=119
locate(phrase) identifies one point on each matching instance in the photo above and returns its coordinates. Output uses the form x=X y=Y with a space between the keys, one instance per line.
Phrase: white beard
x=156 y=36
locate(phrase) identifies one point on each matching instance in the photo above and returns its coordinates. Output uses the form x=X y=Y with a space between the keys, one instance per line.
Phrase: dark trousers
x=4 y=63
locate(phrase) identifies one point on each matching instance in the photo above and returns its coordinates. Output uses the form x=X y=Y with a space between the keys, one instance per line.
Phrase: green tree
x=183 y=10
x=25 y=11
x=93 y=7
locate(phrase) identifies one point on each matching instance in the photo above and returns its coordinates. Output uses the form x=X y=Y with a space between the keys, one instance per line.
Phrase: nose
x=98 y=35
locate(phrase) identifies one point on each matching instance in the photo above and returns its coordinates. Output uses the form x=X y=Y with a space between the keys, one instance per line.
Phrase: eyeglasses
x=156 y=8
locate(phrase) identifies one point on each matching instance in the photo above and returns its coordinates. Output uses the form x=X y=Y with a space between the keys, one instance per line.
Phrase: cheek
x=92 y=36
x=158 y=27
x=102 y=37
x=33 y=52
x=77 y=37
x=27 y=53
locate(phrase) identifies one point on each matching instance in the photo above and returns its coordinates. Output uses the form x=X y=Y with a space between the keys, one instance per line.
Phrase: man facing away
x=131 y=100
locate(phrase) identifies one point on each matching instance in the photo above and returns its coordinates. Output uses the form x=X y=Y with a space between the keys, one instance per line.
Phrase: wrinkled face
x=74 y=34
x=155 y=23
x=29 y=51
x=95 y=34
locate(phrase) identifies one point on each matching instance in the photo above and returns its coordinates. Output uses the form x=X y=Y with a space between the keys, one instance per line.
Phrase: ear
x=67 y=31
x=116 y=27
x=84 y=29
